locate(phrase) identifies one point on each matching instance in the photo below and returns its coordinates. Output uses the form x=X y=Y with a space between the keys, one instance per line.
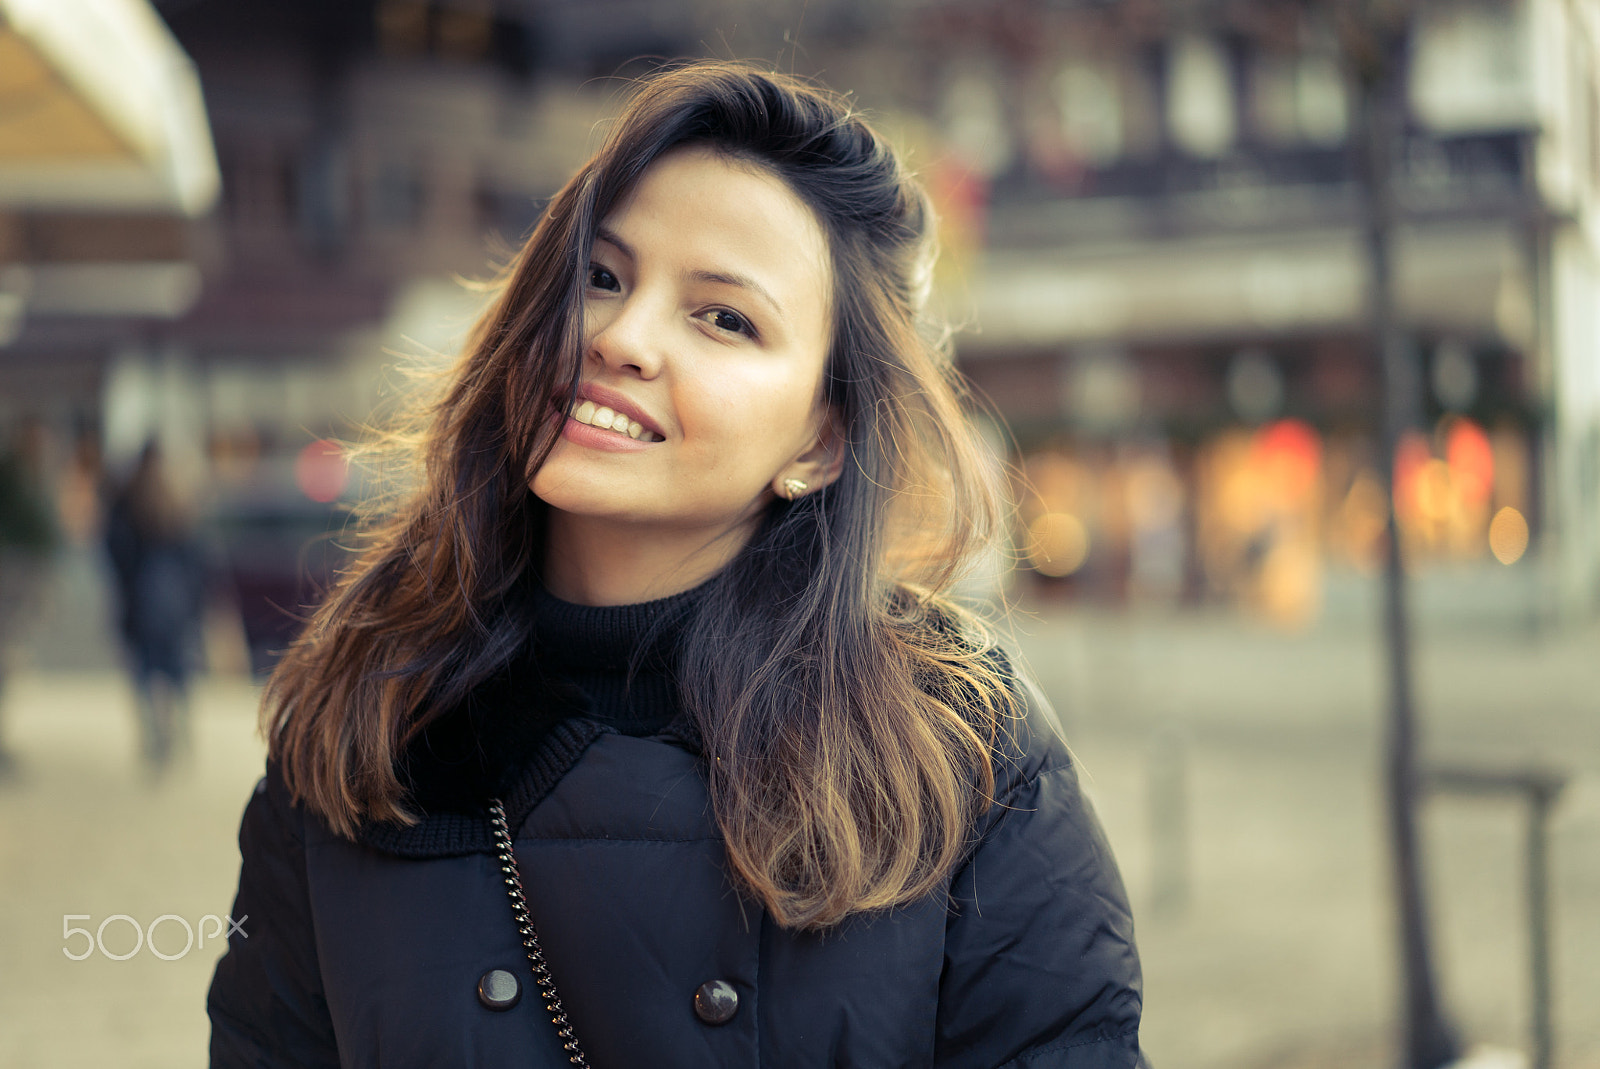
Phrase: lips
x=609 y=420
x=609 y=410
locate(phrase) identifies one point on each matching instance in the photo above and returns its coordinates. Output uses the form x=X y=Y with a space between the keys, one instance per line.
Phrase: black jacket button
x=499 y=990
x=715 y=1002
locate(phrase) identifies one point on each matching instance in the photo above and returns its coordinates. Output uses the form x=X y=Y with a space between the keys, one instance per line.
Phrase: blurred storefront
x=1170 y=299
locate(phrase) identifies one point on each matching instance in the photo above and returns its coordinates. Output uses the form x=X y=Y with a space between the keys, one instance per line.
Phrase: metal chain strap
x=530 y=938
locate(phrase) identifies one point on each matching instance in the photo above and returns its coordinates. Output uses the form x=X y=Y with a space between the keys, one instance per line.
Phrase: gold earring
x=793 y=488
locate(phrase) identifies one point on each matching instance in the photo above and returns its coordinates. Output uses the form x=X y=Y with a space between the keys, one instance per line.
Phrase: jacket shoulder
x=1028 y=741
x=1041 y=967
x=266 y=1001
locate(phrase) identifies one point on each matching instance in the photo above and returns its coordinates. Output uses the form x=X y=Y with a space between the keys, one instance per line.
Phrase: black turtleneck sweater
x=613 y=664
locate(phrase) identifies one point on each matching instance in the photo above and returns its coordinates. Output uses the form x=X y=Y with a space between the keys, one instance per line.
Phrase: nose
x=624 y=334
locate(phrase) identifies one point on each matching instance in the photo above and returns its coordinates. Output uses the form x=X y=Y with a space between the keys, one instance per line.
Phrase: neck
x=593 y=561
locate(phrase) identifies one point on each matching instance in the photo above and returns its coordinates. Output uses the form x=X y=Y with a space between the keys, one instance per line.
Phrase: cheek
x=730 y=434
x=592 y=323
x=757 y=422
x=756 y=411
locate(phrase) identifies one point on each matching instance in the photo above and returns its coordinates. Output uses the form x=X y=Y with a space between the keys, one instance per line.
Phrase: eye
x=732 y=322
x=602 y=279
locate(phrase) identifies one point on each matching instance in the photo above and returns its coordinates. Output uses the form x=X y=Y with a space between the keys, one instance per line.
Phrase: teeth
x=600 y=416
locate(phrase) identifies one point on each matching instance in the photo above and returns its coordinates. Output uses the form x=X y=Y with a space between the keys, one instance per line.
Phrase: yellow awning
x=99 y=109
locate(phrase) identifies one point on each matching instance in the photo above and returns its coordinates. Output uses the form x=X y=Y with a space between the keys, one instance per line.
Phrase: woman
x=668 y=608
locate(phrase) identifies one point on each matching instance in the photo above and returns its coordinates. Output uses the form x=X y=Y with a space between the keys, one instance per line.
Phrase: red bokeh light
x=320 y=471
x=1290 y=452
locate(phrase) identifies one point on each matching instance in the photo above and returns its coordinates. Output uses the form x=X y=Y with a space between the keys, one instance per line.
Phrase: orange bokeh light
x=1508 y=536
x=1411 y=455
x=1471 y=460
x=1289 y=453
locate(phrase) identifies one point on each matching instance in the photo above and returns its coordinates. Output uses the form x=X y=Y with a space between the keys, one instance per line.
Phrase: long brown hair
x=846 y=703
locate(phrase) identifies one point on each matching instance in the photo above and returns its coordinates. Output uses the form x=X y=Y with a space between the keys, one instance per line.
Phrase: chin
x=571 y=494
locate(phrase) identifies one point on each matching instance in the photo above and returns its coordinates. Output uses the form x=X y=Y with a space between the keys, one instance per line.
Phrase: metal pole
x=1539 y=801
x=1429 y=1042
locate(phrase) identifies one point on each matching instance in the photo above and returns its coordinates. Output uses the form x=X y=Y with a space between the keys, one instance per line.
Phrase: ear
x=819 y=465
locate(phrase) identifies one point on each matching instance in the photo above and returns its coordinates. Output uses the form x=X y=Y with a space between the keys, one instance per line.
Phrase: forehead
x=707 y=211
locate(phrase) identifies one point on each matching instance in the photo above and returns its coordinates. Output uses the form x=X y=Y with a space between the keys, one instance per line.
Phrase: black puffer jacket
x=370 y=953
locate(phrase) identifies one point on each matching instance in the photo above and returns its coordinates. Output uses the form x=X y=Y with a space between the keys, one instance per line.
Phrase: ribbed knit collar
x=585 y=671
x=568 y=637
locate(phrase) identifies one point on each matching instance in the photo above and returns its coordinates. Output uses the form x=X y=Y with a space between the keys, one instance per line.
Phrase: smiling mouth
x=599 y=416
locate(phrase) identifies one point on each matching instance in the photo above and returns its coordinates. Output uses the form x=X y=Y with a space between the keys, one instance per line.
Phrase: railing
x=1540 y=787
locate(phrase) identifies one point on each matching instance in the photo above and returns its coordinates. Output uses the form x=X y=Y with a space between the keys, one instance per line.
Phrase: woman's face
x=706 y=326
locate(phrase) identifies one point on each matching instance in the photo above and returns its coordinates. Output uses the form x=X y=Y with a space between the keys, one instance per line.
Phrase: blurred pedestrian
x=158 y=569
x=661 y=661
x=27 y=538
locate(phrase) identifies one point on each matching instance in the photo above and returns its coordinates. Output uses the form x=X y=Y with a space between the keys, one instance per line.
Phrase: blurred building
x=1151 y=228
x=106 y=165
x=1168 y=284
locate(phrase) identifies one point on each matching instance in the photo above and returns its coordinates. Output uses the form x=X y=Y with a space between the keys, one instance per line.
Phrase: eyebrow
x=721 y=278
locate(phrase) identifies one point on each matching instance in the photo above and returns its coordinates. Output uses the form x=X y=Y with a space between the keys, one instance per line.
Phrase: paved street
x=1269 y=949
x=1280 y=955
x=82 y=832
